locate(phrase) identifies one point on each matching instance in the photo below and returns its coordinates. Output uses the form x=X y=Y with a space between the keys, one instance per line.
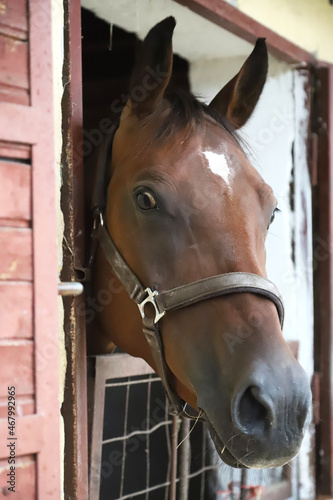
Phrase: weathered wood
x=14 y=150
x=25 y=406
x=323 y=278
x=75 y=403
x=14 y=18
x=16 y=254
x=232 y=19
x=14 y=95
x=46 y=333
x=15 y=191
x=25 y=124
x=14 y=69
x=14 y=222
x=16 y=367
x=30 y=435
x=16 y=299
x=25 y=479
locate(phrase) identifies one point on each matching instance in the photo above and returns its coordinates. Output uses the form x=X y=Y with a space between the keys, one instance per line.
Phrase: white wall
x=307 y=23
x=278 y=125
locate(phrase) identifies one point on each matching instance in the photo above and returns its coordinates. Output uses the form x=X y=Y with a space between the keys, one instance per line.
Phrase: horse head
x=185 y=204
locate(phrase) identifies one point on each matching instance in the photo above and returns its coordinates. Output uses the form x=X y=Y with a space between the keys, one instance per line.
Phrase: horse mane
x=190 y=114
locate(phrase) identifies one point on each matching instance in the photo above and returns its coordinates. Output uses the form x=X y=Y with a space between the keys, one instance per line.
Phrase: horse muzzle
x=268 y=414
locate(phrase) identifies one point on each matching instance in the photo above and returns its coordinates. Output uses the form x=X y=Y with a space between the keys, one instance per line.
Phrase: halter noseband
x=166 y=301
x=177 y=298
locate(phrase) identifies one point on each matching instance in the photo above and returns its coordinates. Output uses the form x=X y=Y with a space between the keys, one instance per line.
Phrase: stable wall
x=307 y=23
x=276 y=139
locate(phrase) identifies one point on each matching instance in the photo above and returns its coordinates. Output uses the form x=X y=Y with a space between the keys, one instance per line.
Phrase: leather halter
x=176 y=298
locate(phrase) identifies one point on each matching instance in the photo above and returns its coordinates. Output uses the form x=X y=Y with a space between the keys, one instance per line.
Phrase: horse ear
x=239 y=97
x=153 y=69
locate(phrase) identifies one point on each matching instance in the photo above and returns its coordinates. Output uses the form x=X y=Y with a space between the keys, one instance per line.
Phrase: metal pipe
x=185 y=459
x=173 y=470
x=70 y=288
x=243 y=492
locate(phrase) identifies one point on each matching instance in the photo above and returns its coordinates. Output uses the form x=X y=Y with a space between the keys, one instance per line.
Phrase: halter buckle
x=151 y=298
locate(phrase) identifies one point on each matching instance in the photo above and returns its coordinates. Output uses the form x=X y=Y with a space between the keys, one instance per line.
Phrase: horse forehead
x=207 y=152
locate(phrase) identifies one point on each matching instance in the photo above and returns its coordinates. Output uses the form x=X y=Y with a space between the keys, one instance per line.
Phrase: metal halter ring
x=151 y=299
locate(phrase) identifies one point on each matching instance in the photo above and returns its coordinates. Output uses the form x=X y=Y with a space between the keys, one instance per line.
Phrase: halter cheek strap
x=177 y=298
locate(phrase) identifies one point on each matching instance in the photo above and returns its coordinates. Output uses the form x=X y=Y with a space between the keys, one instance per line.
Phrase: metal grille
x=138 y=451
x=127 y=440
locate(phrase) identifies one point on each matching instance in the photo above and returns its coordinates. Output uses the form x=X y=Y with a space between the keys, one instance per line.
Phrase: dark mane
x=188 y=113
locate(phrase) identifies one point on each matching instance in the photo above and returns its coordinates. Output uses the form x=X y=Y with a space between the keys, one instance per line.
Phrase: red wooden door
x=29 y=368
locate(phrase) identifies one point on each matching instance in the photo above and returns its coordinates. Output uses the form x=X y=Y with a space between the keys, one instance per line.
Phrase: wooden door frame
x=230 y=18
x=74 y=407
x=322 y=130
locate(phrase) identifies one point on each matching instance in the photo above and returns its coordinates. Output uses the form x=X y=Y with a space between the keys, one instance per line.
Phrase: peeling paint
x=3 y=7
x=13 y=266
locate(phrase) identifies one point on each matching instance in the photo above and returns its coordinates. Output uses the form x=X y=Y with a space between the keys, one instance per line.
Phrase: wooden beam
x=323 y=277
x=72 y=202
x=21 y=124
x=30 y=436
x=232 y=19
x=45 y=267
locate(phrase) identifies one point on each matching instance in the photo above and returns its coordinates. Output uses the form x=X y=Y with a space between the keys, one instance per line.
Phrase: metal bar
x=97 y=431
x=70 y=288
x=148 y=440
x=168 y=441
x=203 y=463
x=243 y=491
x=138 y=433
x=124 y=442
x=185 y=459
x=133 y=382
x=142 y=492
x=204 y=469
x=173 y=471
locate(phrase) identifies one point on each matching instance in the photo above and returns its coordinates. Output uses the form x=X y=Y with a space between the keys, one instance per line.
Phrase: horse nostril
x=254 y=411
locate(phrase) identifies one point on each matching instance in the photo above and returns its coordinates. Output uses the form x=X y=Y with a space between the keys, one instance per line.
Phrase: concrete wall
x=308 y=23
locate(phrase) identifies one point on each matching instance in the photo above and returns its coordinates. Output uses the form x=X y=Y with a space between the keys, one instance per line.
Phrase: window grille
x=138 y=451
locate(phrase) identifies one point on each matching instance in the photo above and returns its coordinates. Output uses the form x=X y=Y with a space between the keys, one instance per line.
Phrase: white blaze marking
x=218 y=165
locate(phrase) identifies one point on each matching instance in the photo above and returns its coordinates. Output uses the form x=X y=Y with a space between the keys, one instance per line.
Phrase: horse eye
x=273 y=216
x=146 y=200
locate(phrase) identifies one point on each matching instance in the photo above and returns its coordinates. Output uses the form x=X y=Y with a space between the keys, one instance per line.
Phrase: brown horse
x=188 y=216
